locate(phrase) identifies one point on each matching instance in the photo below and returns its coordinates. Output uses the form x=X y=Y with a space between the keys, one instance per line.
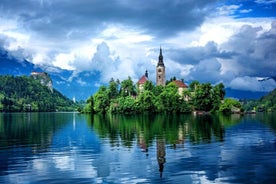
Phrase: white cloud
x=265 y=1
x=201 y=40
x=64 y=61
x=252 y=84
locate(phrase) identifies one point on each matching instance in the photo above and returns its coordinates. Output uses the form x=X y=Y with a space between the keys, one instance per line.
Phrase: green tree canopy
x=22 y=93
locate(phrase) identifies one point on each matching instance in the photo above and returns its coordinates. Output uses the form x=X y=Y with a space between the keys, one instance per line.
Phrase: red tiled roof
x=142 y=80
x=180 y=84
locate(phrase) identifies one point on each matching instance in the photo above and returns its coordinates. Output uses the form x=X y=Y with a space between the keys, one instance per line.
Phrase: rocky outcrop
x=43 y=78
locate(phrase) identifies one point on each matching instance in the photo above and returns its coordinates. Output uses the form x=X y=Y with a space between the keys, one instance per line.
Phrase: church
x=161 y=77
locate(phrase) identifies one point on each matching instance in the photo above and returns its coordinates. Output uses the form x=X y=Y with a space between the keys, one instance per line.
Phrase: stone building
x=181 y=86
x=141 y=82
x=160 y=71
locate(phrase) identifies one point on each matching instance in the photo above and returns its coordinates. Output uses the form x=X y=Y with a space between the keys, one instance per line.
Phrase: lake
x=79 y=148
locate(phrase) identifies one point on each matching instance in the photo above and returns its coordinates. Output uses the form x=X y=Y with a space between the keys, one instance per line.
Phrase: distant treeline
x=125 y=98
x=265 y=104
x=22 y=94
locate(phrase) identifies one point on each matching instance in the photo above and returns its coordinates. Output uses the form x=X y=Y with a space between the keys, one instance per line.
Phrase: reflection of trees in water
x=168 y=129
x=31 y=129
x=26 y=134
x=268 y=118
x=203 y=128
x=174 y=128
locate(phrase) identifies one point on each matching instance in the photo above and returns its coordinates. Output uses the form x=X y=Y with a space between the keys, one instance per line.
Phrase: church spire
x=160 y=70
x=160 y=62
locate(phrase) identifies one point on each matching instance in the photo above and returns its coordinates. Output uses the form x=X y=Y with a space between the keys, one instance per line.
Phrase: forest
x=125 y=98
x=23 y=94
x=266 y=103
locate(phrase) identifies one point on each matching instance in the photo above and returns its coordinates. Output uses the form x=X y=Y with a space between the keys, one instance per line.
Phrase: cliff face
x=43 y=78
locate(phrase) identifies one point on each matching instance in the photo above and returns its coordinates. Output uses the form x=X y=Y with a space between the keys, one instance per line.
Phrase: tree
x=90 y=102
x=184 y=106
x=158 y=90
x=127 y=87
x=228 y=105
x=168 y=100
x=149 y=86
x=146 y=101
x=127 y=105
x=219 y=91
x=218 y=96
x=193 y=85
x=101 y=100
x=203 y=98
x=113 y=89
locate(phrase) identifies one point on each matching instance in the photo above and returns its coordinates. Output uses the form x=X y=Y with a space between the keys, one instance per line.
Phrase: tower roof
x=142 y=80
x=160 y=61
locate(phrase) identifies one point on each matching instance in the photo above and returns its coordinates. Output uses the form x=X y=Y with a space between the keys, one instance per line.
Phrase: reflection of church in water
x=161 y=153
x=161 y=142
x=161 y=148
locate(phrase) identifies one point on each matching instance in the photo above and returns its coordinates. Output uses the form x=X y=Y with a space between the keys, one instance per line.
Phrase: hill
x=265 y=103
x=70 y=83
x=22 y=93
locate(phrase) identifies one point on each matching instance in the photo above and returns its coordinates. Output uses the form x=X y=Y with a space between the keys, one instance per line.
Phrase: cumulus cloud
x=252 y=84
x=201 y=40
x=255 y=52
x=249 y=51
x=109 y=66
x=206 y=71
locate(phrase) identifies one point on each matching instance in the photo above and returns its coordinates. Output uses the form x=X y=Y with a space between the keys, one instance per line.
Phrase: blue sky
x=233 y=42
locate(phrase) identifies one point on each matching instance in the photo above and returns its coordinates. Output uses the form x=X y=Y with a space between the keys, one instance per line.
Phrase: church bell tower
x=160 y=71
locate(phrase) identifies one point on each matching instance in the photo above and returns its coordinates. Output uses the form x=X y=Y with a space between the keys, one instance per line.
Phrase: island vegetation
x=24 y=94
x=126 y=98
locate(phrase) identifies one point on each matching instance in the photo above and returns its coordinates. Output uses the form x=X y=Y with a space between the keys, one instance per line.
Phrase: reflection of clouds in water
x=64 y=163
x=72 y=165
x=74 y=121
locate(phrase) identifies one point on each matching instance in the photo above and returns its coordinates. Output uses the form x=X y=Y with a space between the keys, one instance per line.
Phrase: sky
x=214 y=41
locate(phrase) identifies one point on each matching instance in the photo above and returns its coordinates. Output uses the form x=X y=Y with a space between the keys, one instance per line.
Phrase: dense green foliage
x=266 y=103
x=229 y=106
x=22 y=93
x=125 y=97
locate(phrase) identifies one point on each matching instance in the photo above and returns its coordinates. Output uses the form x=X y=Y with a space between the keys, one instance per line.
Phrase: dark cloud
x=193 y=55
x=255 y=52
x=57 y=18
x=71 y=29
x=250 y=53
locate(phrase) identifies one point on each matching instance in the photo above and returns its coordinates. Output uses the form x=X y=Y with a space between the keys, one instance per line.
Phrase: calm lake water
x=78 y=148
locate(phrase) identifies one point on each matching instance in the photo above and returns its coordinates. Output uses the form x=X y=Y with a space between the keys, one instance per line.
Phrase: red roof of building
x=142 y=80
x=180 y=84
